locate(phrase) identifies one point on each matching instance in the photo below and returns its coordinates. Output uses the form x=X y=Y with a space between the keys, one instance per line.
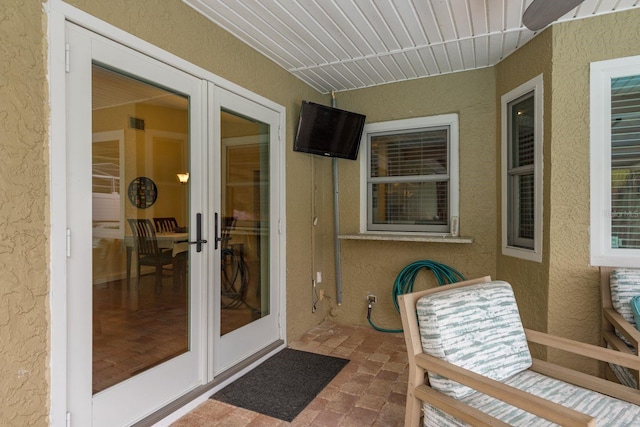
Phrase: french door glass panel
x=141 y=316
x=244 y=290
x=247 y=309
x=133 y=123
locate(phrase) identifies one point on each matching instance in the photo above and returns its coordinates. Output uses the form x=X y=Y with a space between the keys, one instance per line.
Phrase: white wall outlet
x=318 y=276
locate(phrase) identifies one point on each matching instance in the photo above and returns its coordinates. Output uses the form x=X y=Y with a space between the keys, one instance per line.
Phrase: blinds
x=409 y=177
x=625 y=162
x=410 y=154
x=521 y=172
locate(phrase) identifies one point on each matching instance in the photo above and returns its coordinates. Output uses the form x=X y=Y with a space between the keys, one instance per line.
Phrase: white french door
x=246 y=309
x=155 y=311
x=137 y=315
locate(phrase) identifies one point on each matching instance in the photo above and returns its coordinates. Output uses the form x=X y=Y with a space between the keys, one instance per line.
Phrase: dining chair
x=165 y=225
x=147 y=250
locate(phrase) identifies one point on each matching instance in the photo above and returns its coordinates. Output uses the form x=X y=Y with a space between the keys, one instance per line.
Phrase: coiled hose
x=407 y=276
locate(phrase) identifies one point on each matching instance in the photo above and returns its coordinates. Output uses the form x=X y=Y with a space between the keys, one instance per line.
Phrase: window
x=522 y=171
x=410 y=175
x=615 y=162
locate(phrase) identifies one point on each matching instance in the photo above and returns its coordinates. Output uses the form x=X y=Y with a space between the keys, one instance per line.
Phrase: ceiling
x=337 y=45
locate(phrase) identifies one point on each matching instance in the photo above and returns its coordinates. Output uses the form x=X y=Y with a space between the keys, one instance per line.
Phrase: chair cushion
x=624 y=284
x=478 y=328
x=635 y=308
x=606 y=410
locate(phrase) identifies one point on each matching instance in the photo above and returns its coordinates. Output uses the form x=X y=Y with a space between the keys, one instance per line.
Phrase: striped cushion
x=607 y=410
x=624 y=284
x=624 y=375
x=478 y=328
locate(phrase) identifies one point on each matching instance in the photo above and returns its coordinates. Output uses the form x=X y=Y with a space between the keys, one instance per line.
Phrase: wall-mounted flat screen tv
x=328 y=131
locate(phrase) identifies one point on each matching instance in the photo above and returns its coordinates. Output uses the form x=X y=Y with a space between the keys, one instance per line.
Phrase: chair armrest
x=579 y=378
x=615 y=342
x=528 y=402
x=583 y=349
x=624 y=327
x=457 y=409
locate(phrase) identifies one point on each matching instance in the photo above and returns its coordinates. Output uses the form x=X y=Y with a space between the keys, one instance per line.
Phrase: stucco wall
x=574 y=298
x=368 y=266
x=372 y=266
x=23 y=216
x=529 y=279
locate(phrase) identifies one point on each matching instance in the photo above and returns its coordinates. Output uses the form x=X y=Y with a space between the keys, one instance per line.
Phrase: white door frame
x=59 y=13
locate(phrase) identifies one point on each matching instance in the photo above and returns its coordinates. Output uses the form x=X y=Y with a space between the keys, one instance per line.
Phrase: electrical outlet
x=318 y=277
x=372 y=298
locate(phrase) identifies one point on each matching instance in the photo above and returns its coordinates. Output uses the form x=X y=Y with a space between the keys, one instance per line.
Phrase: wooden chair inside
x=147 y=251
x=165 y=225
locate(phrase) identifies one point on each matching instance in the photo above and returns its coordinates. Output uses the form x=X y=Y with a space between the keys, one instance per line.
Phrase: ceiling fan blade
x=541 y=13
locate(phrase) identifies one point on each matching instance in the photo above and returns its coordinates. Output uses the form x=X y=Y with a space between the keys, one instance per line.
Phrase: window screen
x=625 y=162
x=408 y=180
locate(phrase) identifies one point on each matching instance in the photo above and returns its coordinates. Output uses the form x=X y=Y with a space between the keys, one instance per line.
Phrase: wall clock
x=142 y=192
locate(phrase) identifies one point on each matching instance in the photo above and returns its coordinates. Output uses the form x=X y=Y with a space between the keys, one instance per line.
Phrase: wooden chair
x=470 y=335
x=165 y=225
x=618 y=326
x=147 y=250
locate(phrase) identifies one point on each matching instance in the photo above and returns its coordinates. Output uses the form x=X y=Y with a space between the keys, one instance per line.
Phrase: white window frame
x=534 y=85
x=450 y=120
x=600 y=146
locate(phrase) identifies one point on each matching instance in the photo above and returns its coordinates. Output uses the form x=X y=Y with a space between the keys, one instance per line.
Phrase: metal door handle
x=199 y=241
x=217 y=237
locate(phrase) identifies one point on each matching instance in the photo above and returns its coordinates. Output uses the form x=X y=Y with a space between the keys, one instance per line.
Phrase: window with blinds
x=409 y=174
x=521 y=173
x=521 y=167
x=625 y=162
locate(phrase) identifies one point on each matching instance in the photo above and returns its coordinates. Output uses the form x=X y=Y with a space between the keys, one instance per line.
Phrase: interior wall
x=24 y=215
x=372 y=266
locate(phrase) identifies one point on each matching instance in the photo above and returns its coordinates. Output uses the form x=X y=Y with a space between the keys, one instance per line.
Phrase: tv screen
x=328 y=131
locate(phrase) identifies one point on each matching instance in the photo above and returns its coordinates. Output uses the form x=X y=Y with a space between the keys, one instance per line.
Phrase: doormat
x=282 y=386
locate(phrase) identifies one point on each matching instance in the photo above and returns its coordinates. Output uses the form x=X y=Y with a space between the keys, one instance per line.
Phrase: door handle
x=217 y=237
x=199 y=241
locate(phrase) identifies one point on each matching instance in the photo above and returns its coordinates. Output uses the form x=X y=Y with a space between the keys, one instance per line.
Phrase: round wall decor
x=142 y=192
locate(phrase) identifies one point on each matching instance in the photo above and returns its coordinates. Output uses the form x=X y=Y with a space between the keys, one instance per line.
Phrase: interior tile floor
x=369 y=391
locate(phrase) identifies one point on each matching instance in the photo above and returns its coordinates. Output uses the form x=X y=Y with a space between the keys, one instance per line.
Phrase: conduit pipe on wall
x=336 y=221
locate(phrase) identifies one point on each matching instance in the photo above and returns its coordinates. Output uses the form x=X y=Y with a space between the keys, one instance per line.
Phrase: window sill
x=434 y=238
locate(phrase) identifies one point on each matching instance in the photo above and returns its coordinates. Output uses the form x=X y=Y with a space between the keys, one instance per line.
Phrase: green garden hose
x=404 y=284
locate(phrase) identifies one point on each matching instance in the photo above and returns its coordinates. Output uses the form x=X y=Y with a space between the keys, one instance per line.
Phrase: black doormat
x=282 y=386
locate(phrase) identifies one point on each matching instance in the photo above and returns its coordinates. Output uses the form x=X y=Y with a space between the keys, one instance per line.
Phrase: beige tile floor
x=369 y=391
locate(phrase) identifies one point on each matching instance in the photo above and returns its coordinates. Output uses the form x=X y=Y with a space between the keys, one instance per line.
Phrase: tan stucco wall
x=529 y=279
x=368 y=266
x=372 y=266
x=561 y=294
x=24 y=215
x=573 y=286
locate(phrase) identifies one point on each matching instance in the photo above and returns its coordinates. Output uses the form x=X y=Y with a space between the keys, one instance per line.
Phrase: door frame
x=59 y=13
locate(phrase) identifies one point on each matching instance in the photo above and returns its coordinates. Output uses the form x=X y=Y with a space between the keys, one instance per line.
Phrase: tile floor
x=369 y=391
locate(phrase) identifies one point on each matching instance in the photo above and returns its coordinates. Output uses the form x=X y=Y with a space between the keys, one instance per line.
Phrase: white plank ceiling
x=337 y=45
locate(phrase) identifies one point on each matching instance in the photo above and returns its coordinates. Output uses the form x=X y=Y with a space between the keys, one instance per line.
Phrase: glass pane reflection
x=140 y=292
x=245 y=224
